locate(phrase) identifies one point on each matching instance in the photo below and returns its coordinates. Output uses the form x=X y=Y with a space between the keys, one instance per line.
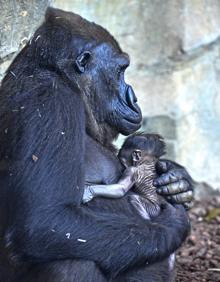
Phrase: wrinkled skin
x=174 y=183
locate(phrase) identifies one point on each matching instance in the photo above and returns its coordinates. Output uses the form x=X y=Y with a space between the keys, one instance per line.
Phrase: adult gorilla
x=62 y=102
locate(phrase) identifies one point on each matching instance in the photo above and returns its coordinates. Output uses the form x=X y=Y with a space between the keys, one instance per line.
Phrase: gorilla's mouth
x=134 y=115
x=132 y=122
x=131 y=98
x=129 y=126
x=133 y=119
x=126 y=117
x=131 y=115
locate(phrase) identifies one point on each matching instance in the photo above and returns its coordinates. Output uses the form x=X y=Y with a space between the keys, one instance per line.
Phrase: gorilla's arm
x=114 y=241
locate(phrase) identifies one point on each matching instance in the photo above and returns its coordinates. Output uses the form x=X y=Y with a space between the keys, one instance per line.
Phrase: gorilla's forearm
x=69 y=233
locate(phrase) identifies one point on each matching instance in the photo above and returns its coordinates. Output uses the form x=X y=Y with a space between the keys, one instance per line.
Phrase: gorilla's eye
x=120 y=70
x=82 y=60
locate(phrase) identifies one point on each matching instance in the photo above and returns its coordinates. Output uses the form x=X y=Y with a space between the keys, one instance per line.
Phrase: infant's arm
x=117 y=190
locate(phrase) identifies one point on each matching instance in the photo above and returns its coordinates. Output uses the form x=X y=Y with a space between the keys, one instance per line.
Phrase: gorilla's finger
x=188 y=205
x=162 y=166
x=166 y=165
x=171 y=176
x=174 y=188
x=181 y=198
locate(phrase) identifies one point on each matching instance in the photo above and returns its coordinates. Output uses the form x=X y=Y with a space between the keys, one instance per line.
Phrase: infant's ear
x=136 y=155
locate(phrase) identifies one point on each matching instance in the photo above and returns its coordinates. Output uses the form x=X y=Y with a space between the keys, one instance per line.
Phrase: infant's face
x=135 y=157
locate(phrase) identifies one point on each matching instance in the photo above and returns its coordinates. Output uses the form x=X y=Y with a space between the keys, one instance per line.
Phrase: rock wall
x=18 y=20
x=175 y=67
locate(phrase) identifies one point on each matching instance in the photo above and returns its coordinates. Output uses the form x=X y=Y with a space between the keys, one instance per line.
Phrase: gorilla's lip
x=134 y=119
x=129 y=127
x=133 y=122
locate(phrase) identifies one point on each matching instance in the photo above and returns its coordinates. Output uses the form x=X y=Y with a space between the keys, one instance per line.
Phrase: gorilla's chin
x=128 y=127
x=128 y=120
x=131 y=122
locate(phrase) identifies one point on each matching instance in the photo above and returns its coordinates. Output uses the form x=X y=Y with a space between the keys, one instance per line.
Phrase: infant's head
x=141 y=148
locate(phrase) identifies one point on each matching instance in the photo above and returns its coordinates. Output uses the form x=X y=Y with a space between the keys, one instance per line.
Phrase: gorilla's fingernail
x=155 y=183
x=159 y=190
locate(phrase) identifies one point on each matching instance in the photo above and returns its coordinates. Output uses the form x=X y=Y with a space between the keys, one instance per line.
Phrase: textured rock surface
x=198 y=124
x=201 y=23
x=175 y=66
x=18 y=21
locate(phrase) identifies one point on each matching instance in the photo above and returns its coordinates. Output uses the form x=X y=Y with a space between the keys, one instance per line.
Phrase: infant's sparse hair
x=152 y=143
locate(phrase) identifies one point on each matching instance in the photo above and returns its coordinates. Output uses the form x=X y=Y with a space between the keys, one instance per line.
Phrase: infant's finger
x=174 y=188
x=181 y=198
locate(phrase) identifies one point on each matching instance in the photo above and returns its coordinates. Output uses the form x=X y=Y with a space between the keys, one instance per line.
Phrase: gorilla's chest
x=102 y=166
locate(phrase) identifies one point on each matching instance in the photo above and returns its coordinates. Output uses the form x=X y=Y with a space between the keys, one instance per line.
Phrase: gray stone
x=3 y=66
x=198 y=124
x=201 y=23
x=164 y=125
x=170 y=150
x=155 y=91
x=18 y=21
x=202 y=189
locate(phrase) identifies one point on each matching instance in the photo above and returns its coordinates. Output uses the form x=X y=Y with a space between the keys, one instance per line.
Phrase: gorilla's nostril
x=135 y=99
x=131 y=98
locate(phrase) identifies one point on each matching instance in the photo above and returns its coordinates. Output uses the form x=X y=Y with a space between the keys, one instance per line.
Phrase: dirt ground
x=199 y=258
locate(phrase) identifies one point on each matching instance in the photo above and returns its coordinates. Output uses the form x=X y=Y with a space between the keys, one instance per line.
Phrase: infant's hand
x=88 y=195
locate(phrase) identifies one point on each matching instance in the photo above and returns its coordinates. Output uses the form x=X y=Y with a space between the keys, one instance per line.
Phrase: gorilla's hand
x=174 y=183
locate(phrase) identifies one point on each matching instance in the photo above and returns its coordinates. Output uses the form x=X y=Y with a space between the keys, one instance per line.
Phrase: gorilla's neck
x=102 y=134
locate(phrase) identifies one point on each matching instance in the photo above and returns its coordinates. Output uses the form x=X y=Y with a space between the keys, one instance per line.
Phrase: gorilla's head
x=101 y=77
x=88 y=57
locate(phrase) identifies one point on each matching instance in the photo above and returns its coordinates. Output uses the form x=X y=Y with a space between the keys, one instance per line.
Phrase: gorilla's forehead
x=110 y=50
x=80 y=27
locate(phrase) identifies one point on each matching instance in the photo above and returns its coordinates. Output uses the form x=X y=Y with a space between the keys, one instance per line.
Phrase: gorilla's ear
x=82 y=60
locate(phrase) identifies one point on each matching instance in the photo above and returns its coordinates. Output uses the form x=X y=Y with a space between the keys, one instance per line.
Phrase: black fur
x=49 y=110
x=152 y=143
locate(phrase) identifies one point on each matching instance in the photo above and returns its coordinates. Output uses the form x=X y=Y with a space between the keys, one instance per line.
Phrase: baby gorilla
x=139 y=155
x=143 y=151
